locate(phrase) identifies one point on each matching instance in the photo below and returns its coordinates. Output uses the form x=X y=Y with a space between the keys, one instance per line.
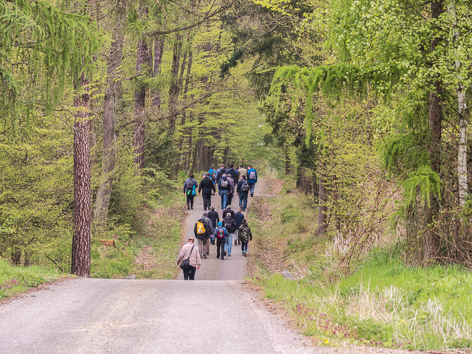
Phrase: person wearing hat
x=190 y=251
x=244 y=235
x=206 y=187
x=220 y=234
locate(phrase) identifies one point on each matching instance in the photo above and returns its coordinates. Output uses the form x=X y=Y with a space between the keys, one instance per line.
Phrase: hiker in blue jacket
x=212 y=174
x=220 y=234
x=252 y=178
x=190 y=190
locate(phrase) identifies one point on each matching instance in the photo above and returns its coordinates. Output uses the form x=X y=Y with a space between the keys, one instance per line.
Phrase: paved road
x=150 y=316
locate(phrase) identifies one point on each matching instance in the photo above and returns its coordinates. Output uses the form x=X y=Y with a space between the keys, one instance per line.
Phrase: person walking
x=232 y=172
x=230 y=226
x=190 y=190
x=242 y=172
x=243 y=190
x=252 y=178
x=224 y=187
x=214 y=217
x=202 y=233
x=231 y=192
x=220 y=234
x=238 y=218
x=219 y=173
x=244 y=235
x=209 y=225
x=190 y=252
x=226 y=211
x=206 y=187
x=212 y=174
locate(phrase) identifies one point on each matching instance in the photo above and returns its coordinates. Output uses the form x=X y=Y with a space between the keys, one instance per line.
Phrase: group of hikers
x=226 y=181
x=210 y=230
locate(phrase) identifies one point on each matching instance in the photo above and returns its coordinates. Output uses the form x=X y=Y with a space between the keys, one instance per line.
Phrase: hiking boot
x=204 y=256
x=235 y=242
x=224 y=253
x=252 y=194
x=229 y=255
x=245 y=254
x=188 y=208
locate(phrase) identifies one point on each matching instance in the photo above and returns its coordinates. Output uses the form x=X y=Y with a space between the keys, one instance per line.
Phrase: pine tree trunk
x=431 y=240
x=174 y=87
x=109 y=118
x=139 y=106
x=80 y=264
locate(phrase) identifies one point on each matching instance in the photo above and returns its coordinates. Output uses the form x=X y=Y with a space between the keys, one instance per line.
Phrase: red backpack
x=220 y=233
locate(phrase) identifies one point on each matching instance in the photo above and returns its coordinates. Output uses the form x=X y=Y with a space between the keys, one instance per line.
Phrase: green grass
x=19 y=279
x=383 y=302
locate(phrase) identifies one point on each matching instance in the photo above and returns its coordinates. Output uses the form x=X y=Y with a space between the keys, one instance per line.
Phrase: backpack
x=213 y=175
x=189 y=184
x=252 y=175
x=245 y=186
x=220 y=233
x=230 y=225
x=224 y=183
x=200 y=228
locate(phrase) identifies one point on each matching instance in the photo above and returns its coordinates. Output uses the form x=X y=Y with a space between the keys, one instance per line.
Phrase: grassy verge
x=381 y=303
x=15 y=280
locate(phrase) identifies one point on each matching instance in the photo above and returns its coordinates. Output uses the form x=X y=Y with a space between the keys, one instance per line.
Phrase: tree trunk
x=158 y=51
x=431 y=240
x=322 y=208
x=109 y=118
x=139 y=106
x=174 y=87
x=80 y=264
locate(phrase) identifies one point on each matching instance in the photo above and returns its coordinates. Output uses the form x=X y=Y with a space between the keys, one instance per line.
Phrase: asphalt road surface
x=151 y=316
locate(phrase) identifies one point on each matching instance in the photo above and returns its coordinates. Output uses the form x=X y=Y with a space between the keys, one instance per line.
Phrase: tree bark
x=80 y=264
x=322 y=208
x=431 y=240
x=158 y=51
x=109 y=118
x=174 y=87
x=139 y=106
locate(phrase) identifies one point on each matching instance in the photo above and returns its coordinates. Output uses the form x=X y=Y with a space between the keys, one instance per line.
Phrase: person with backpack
x=224 y=187
x=232 y=172
x=230 y=226
x=214 y=217
x=238 y=218
x=219 y=173
x=190 y=190
x=212 y=174
x=252 y=178
x=220 y=234
x=190 y=252
x=209 y=224
x=202 y=231
x=241 y=172
x=243 y=190
x=226 y=211
x=244 y=235
x=231 y=192
x=206 y=187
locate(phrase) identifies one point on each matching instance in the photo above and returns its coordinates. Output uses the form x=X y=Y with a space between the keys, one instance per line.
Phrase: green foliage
x=19 y=279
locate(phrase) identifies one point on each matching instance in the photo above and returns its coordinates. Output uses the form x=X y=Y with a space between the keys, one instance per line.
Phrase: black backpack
x=244 y=186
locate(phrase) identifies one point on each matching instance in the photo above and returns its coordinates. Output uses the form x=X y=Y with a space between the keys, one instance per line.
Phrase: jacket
x=214 y=217
x=210 y=172
x=231 y=181
x=195 y=260
x=209 y=225
x=194 y=181
x=242 y=172
x=228 y=188
x=206 y=186
x=229 y=224
x=224 y=230
x=219 y=174
x=232 y=172
x=249 y=173
x=244 y=233
x=238 y=218
x=226 y=211
x=207 y=232
x=240 y=185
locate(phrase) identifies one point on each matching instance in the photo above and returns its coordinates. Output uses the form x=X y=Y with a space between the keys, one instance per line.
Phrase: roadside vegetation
x=381 y=300
x=15 y=280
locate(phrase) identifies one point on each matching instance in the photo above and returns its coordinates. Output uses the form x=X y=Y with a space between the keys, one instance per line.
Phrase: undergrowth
x=16 y=279
x=383 y=302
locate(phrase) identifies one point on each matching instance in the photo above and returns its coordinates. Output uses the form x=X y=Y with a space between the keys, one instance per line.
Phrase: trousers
x=229 y=243
x=220 y=247
x=206 y=201
x=189 y=273
x=202 y=246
